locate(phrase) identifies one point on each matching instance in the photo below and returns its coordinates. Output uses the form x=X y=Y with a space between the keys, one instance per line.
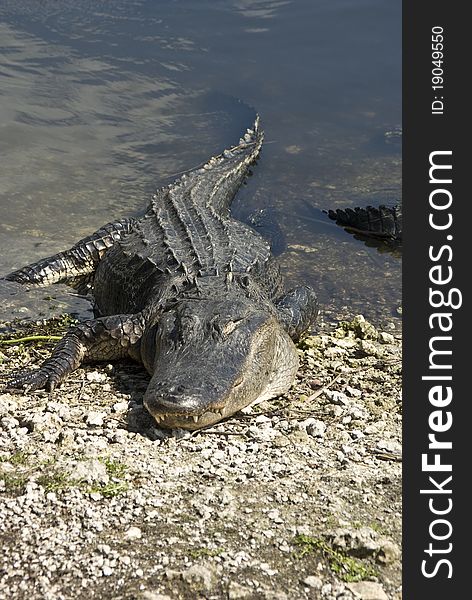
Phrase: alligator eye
x=230 y=327
x=238 y=382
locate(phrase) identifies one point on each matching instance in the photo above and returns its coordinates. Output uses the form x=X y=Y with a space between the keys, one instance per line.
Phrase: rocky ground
x=297 y=498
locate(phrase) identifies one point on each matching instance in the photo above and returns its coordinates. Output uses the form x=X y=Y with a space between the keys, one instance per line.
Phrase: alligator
x=383 y=223
x=190 y=292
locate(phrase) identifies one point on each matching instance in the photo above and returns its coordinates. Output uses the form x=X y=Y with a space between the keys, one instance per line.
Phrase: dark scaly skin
x=383 y=222
x=106 y=338
x=188 y=291
x=296 y=309
x=79 y=261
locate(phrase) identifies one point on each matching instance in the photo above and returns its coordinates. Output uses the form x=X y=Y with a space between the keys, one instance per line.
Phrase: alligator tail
x=380 y=222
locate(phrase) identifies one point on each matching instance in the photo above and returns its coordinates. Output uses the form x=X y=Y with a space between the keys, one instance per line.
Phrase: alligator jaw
x=190 y=422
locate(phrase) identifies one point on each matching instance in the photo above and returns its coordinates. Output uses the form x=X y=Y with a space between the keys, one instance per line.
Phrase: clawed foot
x=29 y=381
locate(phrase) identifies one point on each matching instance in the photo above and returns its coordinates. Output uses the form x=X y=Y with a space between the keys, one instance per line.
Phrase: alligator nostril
x=171 y=390
x=168 y=401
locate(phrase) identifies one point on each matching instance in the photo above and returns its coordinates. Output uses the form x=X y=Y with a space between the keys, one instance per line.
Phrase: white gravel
x=298 y=498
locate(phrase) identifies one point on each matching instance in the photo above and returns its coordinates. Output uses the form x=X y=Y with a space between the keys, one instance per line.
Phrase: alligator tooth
x=247 y=137
x=195 y=419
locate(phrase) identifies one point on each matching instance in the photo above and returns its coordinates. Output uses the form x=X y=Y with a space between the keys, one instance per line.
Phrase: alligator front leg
x=79 y=261
x=298 y=310
x=106 y=338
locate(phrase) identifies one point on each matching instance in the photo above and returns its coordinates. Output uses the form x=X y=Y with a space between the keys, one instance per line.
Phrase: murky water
x=102 y=101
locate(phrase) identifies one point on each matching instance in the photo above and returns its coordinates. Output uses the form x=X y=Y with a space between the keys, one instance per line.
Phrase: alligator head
x=213 y=359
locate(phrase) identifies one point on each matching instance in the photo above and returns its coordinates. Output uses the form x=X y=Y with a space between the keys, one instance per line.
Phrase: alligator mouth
x=186 y=421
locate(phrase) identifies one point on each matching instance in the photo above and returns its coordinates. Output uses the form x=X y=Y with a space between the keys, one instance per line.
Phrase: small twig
x=385 y=455
x=36 y=353
x=324 y=388
x=209 y=429
x=296 y=414
x=217 y=432
x=32 y=338
x=82 y=385
x=330 y=383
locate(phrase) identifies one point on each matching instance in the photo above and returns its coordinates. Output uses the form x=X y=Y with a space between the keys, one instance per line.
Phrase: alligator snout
x=171 y=409
x=181 y=405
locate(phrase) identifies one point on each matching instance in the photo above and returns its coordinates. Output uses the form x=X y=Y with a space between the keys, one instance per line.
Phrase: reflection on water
x=259 y=9
x=100 y=102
